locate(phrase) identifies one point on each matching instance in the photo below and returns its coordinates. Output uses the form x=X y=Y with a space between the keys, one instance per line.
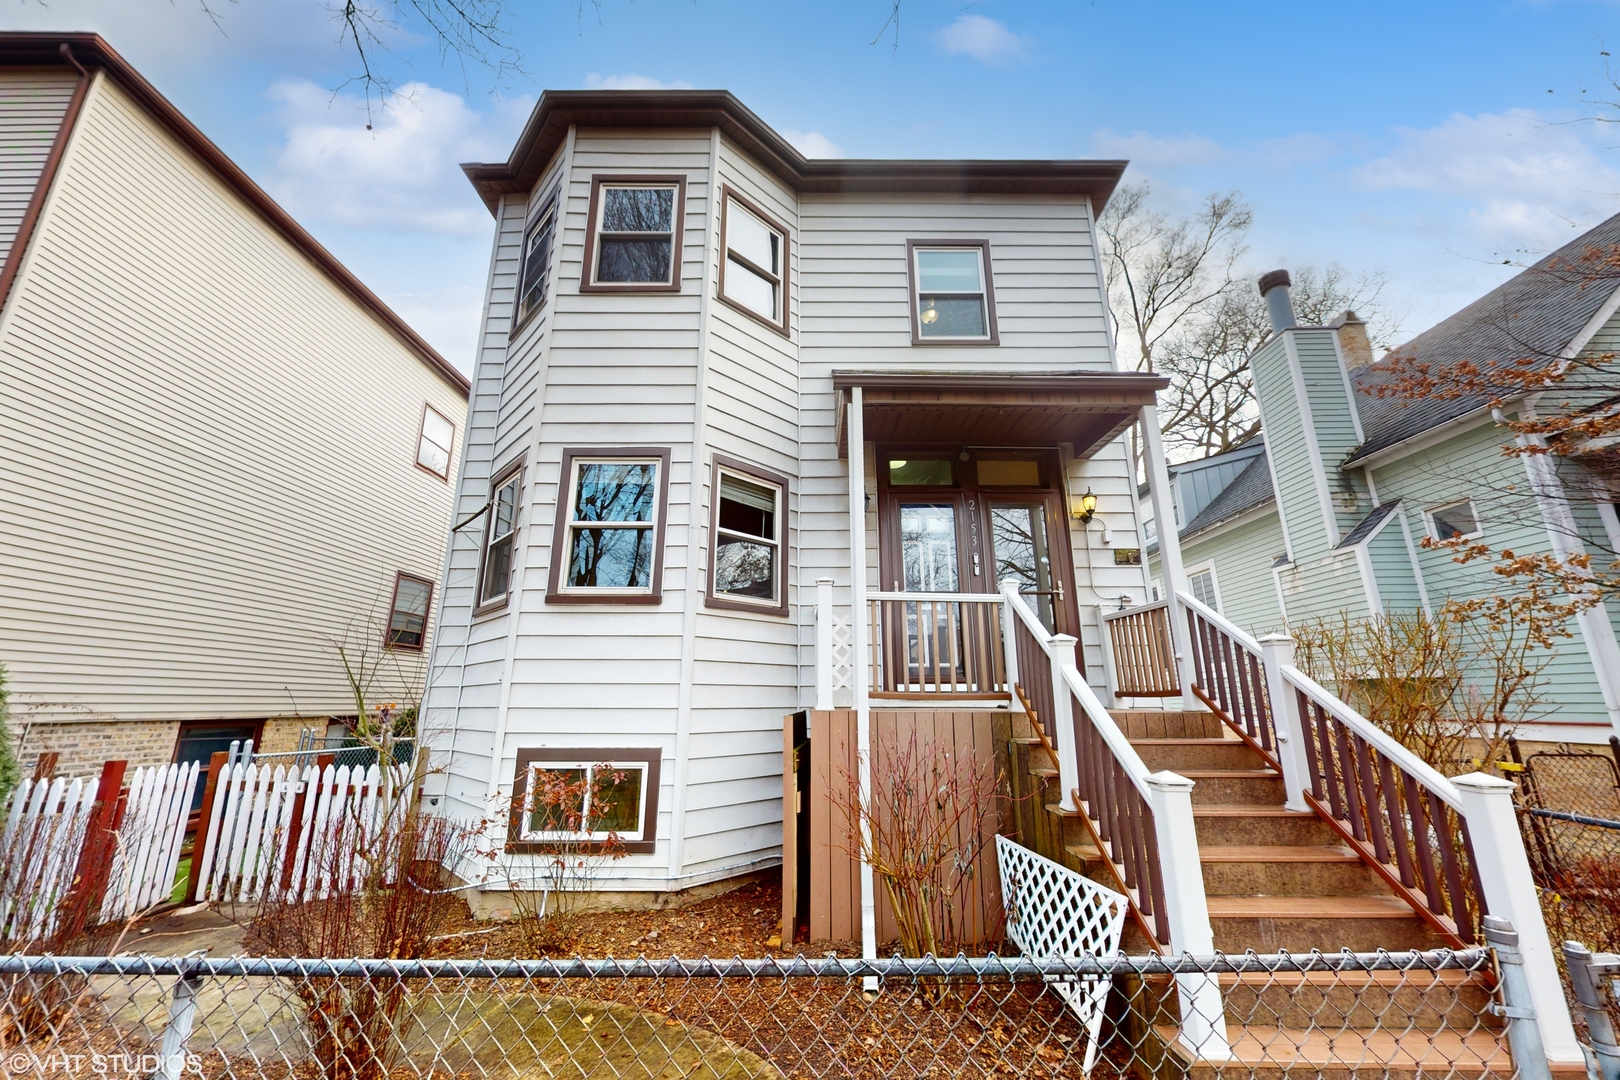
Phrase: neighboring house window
x=608 y=545
x=753 y=275
x=749 y=508
x=1454 y=521
x=1202 y=584
x=408 y=613
x=536 y=262
x=952 y=299
x=633 y=234
x=573 y=794
x=433 y=445
x=500 y=534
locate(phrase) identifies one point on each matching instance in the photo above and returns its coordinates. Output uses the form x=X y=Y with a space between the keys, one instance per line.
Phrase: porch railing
x=1141 y=822
x=1449 y=847
x=1143 y=656
x=947 y=644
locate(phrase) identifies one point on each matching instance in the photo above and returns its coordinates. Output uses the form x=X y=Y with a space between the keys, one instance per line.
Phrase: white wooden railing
x=1450 y=847
x=1142 y=821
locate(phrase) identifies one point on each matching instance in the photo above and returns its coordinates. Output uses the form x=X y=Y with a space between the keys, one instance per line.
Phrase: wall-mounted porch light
x=1085 y=507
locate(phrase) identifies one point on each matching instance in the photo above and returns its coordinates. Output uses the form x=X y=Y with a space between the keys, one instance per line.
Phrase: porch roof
x=982 y=408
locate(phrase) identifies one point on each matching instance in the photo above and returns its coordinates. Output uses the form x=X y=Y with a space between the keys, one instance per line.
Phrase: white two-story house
x=699 y=352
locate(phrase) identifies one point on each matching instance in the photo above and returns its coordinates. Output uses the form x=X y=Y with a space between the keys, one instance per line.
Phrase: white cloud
x=983 y=38
x=812 y=144
x=1157 y=151
x=448 y=319
x=593 y=81
x=1525 y=177
x=402 y=174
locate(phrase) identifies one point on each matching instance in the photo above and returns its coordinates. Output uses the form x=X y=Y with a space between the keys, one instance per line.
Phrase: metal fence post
x=182 y=1015
x=824 y=644
x=1062 y=733
x=1510 y=893
x=1518 y=1003
x=1586 y=975
x=1277 y=652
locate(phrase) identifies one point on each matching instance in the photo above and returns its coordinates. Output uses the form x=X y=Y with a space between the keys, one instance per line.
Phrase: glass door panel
x=929 y=560
x=1020 y=552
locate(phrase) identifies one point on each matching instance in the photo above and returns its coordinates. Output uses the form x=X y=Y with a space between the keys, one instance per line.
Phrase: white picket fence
x=295 y=833
x=44 y=833
x=150 y=838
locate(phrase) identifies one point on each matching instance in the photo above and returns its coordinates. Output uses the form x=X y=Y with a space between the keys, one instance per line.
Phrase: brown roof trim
x=557 y=110
x=42 y=49
x=1120 y=382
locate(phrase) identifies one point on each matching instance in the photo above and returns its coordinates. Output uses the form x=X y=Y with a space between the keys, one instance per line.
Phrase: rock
x=774 y=941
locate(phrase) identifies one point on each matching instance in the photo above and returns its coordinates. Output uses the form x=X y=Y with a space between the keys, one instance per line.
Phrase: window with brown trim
x=633 y=234
x=584 y=794
x=953 y=301
x=754 y=272
x=748 y=528
x=608 y=544
x=500 y=539
x=408 y=612
x=535 y=273
x=434 y=442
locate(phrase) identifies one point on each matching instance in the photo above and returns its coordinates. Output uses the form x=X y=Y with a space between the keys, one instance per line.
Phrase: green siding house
x=1325 y=513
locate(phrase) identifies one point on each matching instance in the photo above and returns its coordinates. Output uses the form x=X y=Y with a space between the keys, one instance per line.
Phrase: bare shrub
x=930 y=815
x=575 y=813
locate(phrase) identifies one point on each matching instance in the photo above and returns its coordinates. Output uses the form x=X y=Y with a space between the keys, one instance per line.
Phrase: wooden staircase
x=1278 y=879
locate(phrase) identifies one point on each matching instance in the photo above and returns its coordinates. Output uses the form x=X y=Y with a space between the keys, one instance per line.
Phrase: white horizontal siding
x=207 y=450
x=33 y=102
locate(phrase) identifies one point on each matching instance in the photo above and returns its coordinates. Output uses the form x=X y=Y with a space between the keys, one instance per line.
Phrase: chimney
x=1353 y=340
x=1274 y=287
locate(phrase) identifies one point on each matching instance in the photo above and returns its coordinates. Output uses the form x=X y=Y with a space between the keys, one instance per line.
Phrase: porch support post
x=1062 y=733
x=824 y=644
x=1277 y=652
x=859 y=659
x=1175 y=576
x=1510 y=893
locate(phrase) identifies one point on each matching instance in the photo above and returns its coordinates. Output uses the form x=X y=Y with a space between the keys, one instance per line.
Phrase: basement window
x=1455 y=521
x=584 y=795
x=634 y=234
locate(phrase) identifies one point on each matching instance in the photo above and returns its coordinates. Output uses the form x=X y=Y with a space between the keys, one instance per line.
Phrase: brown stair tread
x=1218 y=774
x=1187 y=740
x=1309 y=907
x=1422 y=979
x=1469 y=1053
x=1247 y=810
x=1242 y=853
x=1084 y=852
x=1055 y=808
x=1042 y=770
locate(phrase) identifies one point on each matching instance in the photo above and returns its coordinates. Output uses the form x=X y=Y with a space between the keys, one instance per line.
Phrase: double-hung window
x=500 y=534
x=1202 y=584
x=952 y=299
x=609 y=536
x=536 y=269
x=633 y=236
x=1455 y=521
x=434 y=442
x=753 y=275
x=746 y=557
x=408 y=612
x=569 y=795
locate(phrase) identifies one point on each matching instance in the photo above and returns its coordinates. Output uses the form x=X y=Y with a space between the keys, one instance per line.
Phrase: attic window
x=634 y=234
x=952 y=299
x=753 y=275
x=1454 y=521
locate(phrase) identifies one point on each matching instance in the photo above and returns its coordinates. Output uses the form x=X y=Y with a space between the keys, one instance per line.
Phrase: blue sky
x=1415 y=138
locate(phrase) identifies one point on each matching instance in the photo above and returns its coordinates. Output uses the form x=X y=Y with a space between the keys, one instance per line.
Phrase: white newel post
x=1009 y=643
x=1062 y=733
x=1277 y=652
x=860 y=651
x=1175 y=575
x=1203 y=1018
x=1510 y=892
x=824 y=644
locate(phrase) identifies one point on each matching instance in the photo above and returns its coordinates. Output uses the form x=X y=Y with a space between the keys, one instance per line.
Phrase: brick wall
x=84 y=746
x=281 y=732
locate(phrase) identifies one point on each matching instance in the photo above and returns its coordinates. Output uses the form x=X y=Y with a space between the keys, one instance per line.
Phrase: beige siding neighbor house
x=219 y=452
x=695 y=342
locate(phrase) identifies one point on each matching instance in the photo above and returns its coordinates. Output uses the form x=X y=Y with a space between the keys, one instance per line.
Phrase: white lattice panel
x=843 y=654
x=1054 y=912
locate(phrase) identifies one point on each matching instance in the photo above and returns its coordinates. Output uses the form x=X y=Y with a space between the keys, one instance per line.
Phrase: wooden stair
x=1279 y=879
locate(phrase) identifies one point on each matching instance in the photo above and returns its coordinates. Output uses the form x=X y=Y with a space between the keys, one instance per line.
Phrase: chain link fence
x=1429 y=1014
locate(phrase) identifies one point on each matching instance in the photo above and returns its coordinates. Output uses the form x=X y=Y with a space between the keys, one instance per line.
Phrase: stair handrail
x=1101 y=718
